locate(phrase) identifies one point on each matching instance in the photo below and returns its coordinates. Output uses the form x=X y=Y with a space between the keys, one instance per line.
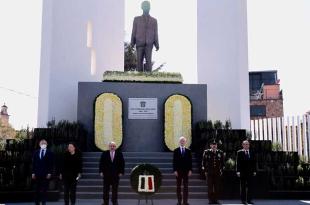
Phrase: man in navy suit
x=182 y=167
x=246 y=170
x=111 y=168
x=42 y=167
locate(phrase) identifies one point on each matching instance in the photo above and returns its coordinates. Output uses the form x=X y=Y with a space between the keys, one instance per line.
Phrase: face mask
x=43 y=146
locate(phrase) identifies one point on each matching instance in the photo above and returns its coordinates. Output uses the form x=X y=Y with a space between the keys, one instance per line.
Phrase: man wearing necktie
x=111 y=168
x=212 y=166
x=182 y=167
x=246 y=170
x=42 y=167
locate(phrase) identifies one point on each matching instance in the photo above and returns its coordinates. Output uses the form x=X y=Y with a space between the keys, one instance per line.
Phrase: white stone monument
x=80 y=40
x=83 y=38
x=222 y=59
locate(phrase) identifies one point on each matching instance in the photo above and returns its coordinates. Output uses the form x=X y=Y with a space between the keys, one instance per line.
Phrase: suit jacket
x=213 y=162
x=181 y=162
x=144 y=31
x=44 y=166
x=246 y=166
x=109 y=168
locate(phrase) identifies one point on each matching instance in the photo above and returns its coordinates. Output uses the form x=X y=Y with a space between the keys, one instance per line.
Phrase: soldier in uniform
x=212 y=166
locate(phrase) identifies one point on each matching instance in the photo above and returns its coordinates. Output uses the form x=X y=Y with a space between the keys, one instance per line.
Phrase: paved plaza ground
x=173 y=202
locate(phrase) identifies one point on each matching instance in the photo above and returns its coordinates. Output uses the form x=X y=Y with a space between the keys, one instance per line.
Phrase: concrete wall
x=223 y=59
x=65 y=56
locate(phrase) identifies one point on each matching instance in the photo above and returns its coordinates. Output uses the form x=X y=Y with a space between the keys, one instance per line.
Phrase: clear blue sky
x=278 y=34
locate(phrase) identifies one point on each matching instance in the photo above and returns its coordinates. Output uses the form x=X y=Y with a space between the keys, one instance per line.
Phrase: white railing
x=292 y=133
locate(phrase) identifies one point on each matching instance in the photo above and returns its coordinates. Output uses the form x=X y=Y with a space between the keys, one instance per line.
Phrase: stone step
x=126 y=182
x=133 y=195
x=133 y=164
x=128 y=170
x=127 y=176
x=90 y=185
x=134 y=154
x=129 y=189
x=136 y=159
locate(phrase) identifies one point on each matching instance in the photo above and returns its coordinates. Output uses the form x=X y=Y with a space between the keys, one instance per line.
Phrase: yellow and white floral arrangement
x=108 y=120
x=134 y=76
x=178 y=121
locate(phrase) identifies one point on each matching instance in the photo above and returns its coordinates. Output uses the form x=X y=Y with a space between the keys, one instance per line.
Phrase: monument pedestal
x=139 y=135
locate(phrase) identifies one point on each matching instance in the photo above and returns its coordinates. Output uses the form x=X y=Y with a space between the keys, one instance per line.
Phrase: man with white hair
x=246 y=170
x=182 y=167
x=111 y=168
x=42 y=168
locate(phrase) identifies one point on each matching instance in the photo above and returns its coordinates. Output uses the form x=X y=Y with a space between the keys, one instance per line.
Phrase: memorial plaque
x=142 y=108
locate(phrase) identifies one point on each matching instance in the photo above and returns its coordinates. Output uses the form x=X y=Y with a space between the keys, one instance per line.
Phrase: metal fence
x=292 y=133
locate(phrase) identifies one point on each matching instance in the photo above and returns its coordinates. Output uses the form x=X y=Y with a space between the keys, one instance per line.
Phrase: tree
x=7 y=131
x=130 y=57
x=23 y=134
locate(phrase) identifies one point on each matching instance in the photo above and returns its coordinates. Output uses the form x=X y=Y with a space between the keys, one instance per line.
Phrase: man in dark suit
x=212 y=165
x=182 y=167
x=42 y=167
x=246 y=170
x=144 y=36
x=111 y=168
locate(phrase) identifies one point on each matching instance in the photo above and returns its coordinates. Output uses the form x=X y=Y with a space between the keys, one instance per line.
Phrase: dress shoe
x=243 y=202
x=250 y=202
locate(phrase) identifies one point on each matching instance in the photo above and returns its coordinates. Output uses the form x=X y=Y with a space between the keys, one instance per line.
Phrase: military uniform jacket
x=213 y=162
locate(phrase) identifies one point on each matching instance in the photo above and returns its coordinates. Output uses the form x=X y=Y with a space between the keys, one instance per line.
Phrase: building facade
x=4 y=116
x=266 y=99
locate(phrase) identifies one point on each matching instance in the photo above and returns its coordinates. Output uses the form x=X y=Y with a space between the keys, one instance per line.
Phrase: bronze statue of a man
x=145 y=36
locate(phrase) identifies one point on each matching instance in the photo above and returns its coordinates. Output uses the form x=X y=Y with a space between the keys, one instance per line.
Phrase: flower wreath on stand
x=145 y=179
